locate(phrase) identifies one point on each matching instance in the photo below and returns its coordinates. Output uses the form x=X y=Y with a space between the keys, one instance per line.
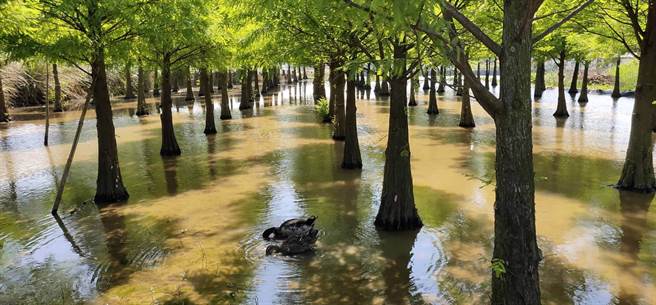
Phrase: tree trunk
x=377 y=85
x=169 y=143
x=230 y=80
x=367 y=81
x=246 y=91
x=210 y=82
x=225 y=99
x=352 y=158
x=332 y=78
x=616 y=89
x=319 y=90
x=210 y=128
x=201 y=88
x=515 y=242
x=109 y=185
x=561 y=110
x=304 y=73
x=442 y=86
x=397 y=209
x=338 y=133
x=494 y=73
x=539 y=79
x=487 y=73
x=4 y=114
x=175 y=79
x=478 y=71
x=155 y=84
x=638 y=171
x=459 y=85
x=466 y=116
x=190 y=90
x=573 y=87
x=141 y=98
x=426 y=86
x=432 y=98
x=129 y=91
x=384 y=88
x=58 y=93
x=256 y=82
x=583 y=97
x=414 y=83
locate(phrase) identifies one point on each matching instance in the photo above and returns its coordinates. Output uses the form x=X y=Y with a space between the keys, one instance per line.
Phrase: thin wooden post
x=69 y=161
x=45 y=137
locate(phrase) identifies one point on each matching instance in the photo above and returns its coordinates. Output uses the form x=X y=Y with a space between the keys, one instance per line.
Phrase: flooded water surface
x=191 y=230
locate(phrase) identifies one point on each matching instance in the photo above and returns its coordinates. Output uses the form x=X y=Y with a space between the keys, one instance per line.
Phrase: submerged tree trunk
x=338 y=133
x=487 y=73
x=426 y=86
x=377 y=85
x=367 y=81
x=466 y=116
x=319 y=90
x=155 y=84
x=109 y=185
x=397 y=209
x=352 y=158
x=638 y=170
x=210 y=82
x=458 y=84
x=141 y=98
x=332 y=77
x=515 y=242
x=432 y=98
x=494 y=73
x=4 y=114
x=210 y=127
x=256 y=82
x=129 y=91
x=561 y=110
x=616 y=89
x=478 y=70
x=414 y=83
x=174 y=82
x=442 y=86
x=201 y=88
x=58 y=93
x=246 y=91
x=583 y=97
x=573 y=87
x=225 y=102
x=169 y=143
x=384 y=87
x=539 y=79
x=190 y=90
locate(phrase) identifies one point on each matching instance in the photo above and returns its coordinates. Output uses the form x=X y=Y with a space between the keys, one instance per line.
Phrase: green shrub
x=322 y=109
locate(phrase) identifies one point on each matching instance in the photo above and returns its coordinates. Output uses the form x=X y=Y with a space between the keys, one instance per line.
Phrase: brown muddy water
x=190 y=233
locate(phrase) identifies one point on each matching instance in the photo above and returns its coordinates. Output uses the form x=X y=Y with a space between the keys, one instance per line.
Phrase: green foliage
x=498 y=267
x=321 y=109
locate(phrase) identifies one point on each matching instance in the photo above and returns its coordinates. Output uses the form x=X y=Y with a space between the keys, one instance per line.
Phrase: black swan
x=289 y=227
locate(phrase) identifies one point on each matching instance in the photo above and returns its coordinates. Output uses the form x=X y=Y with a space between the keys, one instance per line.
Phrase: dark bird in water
x=298 y=242
x=289 y=227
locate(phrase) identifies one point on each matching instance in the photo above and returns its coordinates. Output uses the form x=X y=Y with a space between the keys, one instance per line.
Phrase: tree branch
x=555 y=26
